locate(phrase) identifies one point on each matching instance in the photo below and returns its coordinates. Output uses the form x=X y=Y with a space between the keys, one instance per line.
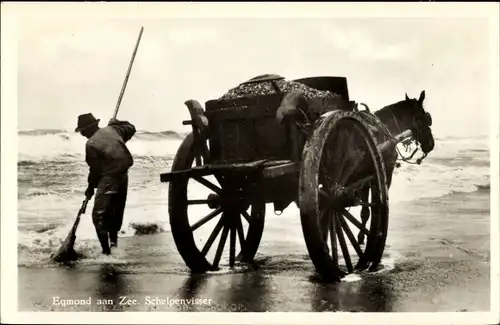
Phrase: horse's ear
x=422 y=97
x=406 y=97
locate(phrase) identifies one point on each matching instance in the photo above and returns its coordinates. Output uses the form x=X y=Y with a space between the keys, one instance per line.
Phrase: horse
x=396 y=118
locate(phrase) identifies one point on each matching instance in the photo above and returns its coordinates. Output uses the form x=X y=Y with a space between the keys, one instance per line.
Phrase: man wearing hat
x=109 y=160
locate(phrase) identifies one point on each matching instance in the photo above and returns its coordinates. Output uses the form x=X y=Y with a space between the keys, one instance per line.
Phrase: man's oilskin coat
x=109 y=160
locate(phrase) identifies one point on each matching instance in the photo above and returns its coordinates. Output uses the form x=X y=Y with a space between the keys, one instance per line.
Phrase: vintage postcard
x=245 y=163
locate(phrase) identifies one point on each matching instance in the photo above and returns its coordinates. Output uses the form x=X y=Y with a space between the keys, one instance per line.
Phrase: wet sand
x=438 y=248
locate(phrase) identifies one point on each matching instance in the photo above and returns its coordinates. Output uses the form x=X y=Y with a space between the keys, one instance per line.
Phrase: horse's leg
x=389 y=177
x=365 y=213
x=324 y=222
x=389 y=168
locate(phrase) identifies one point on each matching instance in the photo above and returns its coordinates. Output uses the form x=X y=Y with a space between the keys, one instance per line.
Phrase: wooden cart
x=246 y=160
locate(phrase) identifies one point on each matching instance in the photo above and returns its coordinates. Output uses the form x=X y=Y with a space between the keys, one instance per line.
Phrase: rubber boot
x=113 y=238
x=103 y=239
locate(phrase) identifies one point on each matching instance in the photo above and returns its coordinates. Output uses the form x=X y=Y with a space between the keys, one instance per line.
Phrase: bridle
x=421 y=124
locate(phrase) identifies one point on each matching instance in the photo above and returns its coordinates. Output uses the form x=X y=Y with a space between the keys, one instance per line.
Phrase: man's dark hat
x=85 y=121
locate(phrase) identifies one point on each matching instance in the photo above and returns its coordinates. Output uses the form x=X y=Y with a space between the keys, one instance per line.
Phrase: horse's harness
x=406 y=143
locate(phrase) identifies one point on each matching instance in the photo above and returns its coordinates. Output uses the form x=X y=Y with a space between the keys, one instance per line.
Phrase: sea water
x=52 y=178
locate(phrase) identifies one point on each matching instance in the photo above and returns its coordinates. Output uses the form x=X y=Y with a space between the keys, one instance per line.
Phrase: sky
x=68 y=67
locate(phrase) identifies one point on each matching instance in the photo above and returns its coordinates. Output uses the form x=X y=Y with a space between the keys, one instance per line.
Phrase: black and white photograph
x=227 y=162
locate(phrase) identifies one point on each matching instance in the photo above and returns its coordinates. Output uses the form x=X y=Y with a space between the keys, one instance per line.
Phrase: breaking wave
x=60 y=145
x=38 y=132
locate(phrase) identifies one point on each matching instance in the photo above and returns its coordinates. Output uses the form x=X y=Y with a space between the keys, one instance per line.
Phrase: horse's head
x=420 y=122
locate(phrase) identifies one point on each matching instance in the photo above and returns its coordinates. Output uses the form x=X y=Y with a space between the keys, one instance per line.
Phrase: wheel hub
x=213 y=200
x=230 y=200
x=342 y=196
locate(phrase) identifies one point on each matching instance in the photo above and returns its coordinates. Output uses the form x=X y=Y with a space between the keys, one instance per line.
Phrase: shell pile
x=266 y=88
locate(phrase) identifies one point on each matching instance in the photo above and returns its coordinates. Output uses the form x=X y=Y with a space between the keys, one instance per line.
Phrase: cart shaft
x=266 y=168
x=389 y=144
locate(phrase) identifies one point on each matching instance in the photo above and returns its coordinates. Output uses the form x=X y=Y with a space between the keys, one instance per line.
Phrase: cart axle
x=341 y=197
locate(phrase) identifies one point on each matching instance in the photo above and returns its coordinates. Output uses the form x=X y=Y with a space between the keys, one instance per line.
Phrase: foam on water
x=227 y=270
x=351 y=278
x=388 y=263
x=93 y=257
x=428 y=181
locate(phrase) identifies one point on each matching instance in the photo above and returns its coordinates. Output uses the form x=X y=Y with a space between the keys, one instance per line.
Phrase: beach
x=425 y=270
x=437 y=256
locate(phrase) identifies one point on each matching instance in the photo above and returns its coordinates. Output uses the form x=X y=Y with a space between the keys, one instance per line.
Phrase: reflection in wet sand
x=260 y=291
x=241 y=292
x=372 y=294
x=379 y=294
x=110 y=287
x=190 y=290
x=249 y=293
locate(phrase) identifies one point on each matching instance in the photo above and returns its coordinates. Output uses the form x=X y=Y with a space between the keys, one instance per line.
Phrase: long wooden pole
x=389 y=144
x=128 y=74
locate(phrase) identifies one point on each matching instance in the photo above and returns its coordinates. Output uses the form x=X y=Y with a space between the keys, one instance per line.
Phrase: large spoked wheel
x=208 y=209
x=343 y=192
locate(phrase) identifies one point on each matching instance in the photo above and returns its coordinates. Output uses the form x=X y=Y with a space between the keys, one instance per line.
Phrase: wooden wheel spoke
x=323 y=214
x=324 y=218
x=354 y=221
x=357 y=152
x=208 y=184
x=206 y=219
x=343 y=246
x=246 y=216
x=343 y=147
x=367 y=204
x=351 y=168
x=232 y=243
x=212 y=237
x=220 y=248
x=349 y=234
x=191 y=202
x=323 y=193
x=241 y=235
x=324 y=171
x=360 y=183
x=333 y=239
x=363 y=204
x=340 y=170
